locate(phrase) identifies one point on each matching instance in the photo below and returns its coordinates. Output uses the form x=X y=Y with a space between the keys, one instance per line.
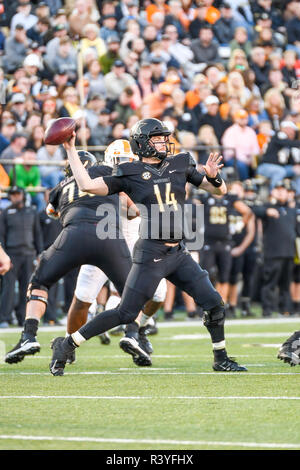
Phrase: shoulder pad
x=185 y=158
x=127 y=169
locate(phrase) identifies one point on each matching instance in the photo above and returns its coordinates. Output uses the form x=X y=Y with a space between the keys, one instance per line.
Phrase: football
x=59 y=131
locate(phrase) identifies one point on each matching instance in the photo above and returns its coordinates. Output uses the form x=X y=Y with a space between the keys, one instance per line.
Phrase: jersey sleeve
x=193 y=176
x=54 y=197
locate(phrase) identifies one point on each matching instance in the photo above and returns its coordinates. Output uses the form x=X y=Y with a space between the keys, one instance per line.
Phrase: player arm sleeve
x=193 y=176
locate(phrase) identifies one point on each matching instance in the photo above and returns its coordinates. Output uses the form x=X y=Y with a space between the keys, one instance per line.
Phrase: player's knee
x=215 y=316
x=36 y=291
x=127 y=316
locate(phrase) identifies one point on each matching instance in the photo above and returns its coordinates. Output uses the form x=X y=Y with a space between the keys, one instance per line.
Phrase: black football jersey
x=216 y=217
x=237 y=226
x=159 y=192
x=76 y=206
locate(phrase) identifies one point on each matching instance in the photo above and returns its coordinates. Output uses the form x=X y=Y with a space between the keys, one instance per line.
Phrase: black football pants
x=77 y=245
x=153 y=261
x=277 y=272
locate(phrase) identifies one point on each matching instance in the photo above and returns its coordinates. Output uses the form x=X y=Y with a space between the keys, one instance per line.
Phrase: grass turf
x=179 y=402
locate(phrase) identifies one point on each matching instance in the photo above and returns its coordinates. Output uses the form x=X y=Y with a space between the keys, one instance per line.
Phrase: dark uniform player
x=77 y=244
x=280 y=229
x=242 y=238
x=216 y=251
x=158 y=183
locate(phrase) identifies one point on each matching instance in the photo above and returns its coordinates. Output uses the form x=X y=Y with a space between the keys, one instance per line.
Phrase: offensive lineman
x=77 y=244
x=157 y=182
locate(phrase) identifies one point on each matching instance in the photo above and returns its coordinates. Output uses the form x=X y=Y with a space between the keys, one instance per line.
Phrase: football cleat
x=139 y=356
x=59 y=356
x=27 y=346
x=71 y=358
x=228 y=365
x=144 y=342
x=104 y=338
x=290 y=350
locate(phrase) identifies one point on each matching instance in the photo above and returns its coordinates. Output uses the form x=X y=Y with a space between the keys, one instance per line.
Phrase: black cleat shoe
x=104 y=338
x=151 y=327
x=131 y=346
x=71 y=358
x=290 y=350
x=228 y=365
x=59 y=356
x=144 y=342
x=27 y=346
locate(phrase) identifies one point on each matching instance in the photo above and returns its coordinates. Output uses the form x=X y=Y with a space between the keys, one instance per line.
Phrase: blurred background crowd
x=224 y=76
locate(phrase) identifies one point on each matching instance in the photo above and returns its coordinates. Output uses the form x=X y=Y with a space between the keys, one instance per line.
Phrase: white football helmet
x=117 y=152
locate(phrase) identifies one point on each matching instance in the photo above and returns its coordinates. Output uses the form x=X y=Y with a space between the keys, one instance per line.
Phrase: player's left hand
x=213 y=165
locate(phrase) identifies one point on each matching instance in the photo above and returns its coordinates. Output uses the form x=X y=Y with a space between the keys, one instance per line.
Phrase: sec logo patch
x=146 y=175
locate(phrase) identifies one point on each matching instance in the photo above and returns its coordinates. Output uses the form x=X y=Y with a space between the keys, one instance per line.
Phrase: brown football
x=59 y=131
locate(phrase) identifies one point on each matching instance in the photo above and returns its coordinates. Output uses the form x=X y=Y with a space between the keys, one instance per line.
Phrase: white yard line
x=263 y=445
x=104 y=397
x=125 y=373
x=192 y=336
x=181 y=324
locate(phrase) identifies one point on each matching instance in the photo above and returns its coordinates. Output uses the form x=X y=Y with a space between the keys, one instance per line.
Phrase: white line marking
x=87 y=397
x=270 y=445
x=228 y=335
x=244 y=374
x=180 y=324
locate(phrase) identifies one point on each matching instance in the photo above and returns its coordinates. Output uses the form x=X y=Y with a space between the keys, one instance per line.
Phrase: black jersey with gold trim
x=159 y=192
x=75 y=206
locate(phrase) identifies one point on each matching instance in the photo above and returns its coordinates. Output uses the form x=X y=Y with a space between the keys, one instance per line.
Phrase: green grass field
x=105 y=402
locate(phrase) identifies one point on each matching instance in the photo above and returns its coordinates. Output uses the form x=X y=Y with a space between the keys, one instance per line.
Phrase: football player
x=77 y=244
x=290 y=350
x=91 y=279
x=157 y=183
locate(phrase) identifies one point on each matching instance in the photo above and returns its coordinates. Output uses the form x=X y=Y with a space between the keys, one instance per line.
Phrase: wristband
x=216 y=181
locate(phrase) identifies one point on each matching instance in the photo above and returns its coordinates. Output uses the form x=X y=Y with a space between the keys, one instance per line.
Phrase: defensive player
x=77 y=244
x=158 y=183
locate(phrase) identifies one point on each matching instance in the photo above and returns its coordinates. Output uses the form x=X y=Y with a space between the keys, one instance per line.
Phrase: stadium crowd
x=224 y=76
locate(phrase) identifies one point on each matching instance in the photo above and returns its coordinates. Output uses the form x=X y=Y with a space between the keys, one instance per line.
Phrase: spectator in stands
x=40 y=32
x=212 y=117
x=20 y=236
x=91 y=39
x=15 y=49
x=123 y=109
x=70 y=103
x=260 y=66
x=23 y=17
x=158 y=101
x=116 y=80
x=102 y=131
x=65 y=57
x=15 y=148
x=173 y=17
x=36 y=138
x=207 y=138
x=224 y=28
x=111 y=55
x=8 y=128
x=80 y=17
x=59 y=31
x=182 y=53
x=240 y=41
x=96 y=103
x=50 y=175
x=26 y=175
x=242 y=145
x=198 y=22
x=205 y=49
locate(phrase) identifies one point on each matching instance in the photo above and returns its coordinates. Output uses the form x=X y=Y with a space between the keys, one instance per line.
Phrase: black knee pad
x=215 y=316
